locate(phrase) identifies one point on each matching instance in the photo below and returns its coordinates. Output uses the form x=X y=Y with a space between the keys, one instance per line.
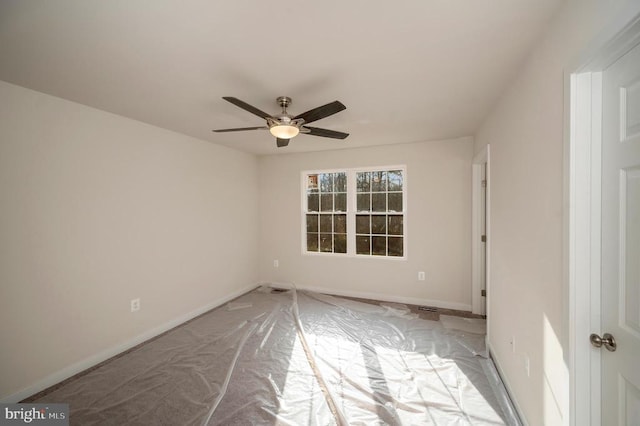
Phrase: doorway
x=480 y=233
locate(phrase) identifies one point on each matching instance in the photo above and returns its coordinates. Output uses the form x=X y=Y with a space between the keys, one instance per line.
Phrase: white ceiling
x=407 y=71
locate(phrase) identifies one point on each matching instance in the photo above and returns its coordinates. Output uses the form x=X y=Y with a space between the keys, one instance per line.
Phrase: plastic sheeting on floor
x=296 y=358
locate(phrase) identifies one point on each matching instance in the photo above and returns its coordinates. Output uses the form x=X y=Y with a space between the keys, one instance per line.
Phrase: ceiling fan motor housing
x=284 y=118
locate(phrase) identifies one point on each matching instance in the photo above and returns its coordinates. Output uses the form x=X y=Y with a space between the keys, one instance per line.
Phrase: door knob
x=607 y=340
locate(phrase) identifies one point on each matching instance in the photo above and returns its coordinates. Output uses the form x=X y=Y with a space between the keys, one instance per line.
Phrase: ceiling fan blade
x=321 y=112
x=240 y=129
x=282 y=142
x=316 y=131
x=245 y=106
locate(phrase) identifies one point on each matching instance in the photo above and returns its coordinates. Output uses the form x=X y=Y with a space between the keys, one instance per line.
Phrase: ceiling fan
x=284 y=126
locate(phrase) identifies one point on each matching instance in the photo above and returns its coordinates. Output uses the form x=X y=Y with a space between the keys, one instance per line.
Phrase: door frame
x=477 y=306
x=582 y=215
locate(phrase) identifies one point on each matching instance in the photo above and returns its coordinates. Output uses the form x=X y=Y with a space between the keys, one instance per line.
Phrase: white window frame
x=352 y=211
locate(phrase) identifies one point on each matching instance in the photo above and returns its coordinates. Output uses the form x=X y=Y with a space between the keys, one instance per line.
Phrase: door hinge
x=483 y=238
x=484 y=183
x=483 y=293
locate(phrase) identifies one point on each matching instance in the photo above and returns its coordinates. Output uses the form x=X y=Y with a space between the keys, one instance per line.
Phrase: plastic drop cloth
x=295 y=358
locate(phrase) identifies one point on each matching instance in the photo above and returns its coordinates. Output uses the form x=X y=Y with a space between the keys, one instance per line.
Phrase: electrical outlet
x=421 y=276
x=527 y=365
x=276 y=263
x=513 y=344
x=135 y=305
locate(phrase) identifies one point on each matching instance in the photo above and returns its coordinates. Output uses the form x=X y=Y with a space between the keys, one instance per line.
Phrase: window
x=357 y=212
x=379 y=217
x=326 y=212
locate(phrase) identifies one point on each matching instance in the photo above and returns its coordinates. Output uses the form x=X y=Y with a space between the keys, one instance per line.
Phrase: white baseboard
x=93 y=360
x=381 y=297
x=506 y=383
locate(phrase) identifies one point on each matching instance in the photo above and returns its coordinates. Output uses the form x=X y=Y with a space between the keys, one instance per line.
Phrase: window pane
x=312 y=242
x=395 y=225
x=313 y=203
x=340 y=182
x=325 y=243
x=395 y=246
x=362 y=224
x=363 y=180
x=326 y=182
x=362 y=245
x=395 y=202
x=379 y=246
x=363 y=202
x=325 y=223
x=340 y=243
x=340 y=223
x=395 y=180
x=326 y=202
x=312 y=223
x=378 y=181
x=341 y=203
x=312 y=183
x=378 y=224
x=379 y=202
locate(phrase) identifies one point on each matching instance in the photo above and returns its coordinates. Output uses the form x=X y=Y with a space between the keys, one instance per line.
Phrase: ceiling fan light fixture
x=284 y=131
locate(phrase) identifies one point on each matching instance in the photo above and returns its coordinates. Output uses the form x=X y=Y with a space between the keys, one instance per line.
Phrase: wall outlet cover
x=135 y=305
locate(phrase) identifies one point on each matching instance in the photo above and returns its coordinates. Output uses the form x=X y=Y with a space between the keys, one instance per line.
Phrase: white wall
x=526 y=133
x=98 y=209
x=438 y=223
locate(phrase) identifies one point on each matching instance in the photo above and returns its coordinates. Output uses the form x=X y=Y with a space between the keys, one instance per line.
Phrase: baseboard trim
x=507 y=386
x=380 y=296
x=106 y=354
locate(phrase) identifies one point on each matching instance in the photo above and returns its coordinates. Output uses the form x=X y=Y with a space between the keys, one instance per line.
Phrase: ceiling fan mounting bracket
x=283 y=101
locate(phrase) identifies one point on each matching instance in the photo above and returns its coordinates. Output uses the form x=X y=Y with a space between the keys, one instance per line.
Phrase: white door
x=480 y=230
x=620 y=293
x=483 y=247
